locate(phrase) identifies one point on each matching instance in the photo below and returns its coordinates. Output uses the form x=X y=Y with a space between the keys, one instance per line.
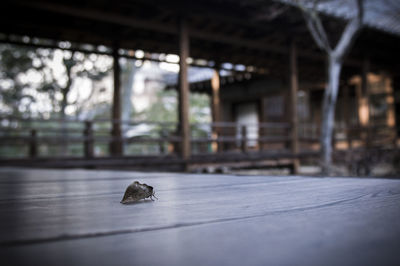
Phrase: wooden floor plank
x=74 y=217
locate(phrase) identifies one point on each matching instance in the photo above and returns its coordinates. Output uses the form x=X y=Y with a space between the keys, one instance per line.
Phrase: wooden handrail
x=231 y=135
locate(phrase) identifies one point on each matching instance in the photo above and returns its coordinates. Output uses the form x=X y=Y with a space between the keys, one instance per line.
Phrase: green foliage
x=14 y=62
x=29 y=74
x=165 y=108
x=30 y=77
x=199 y=108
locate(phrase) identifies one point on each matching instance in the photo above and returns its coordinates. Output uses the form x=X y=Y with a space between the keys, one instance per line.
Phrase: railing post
x=395 y=138
x=349 y=135
x=33 y=144
x=116 y=148
x=88 y=142
x=163 y=135
x=260 y=137
x=334 y=139
x=368 y=138
x=215 y=146
x=347 y=117
x=289 y=140
x=244 y=139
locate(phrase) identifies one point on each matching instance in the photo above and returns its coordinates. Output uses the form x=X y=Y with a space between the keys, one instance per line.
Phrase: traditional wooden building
x=257 y=100
x=273 y=59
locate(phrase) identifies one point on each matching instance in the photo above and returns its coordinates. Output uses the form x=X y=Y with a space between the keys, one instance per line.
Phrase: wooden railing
x=54 y=137
x=382 y=136
x=88 y=139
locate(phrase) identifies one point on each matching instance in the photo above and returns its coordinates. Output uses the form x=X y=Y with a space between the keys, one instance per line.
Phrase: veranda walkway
x=74 y=217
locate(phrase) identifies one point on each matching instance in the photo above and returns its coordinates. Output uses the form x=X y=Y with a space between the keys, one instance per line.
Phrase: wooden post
x=391 y=103
x=116 y=143
x=89 y=142
x=215 y=108
x=346 y=110
x=184 y=127
x=294 y=85
x=334 y=139
x=33 y=144
x=215 y=85
x=365 y=102
x=244 y=139
x=163 y=136
x=396 y=91
x=260 y=137
x=364 y=77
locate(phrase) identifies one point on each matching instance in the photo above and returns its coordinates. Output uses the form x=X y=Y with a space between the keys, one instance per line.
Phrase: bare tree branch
x=315 y=26
x=335 y=57
x=314 y=32
x=350 y=33
x=322 y=31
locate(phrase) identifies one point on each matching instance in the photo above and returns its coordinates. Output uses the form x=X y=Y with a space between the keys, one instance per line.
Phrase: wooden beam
x=107 y=17
x=95 y=51
x=103 y=16
x=116 y=143
x=184 y=129
x=294 y=86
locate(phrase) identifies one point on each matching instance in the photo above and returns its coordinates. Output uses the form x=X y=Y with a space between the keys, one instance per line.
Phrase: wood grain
x=73 y=217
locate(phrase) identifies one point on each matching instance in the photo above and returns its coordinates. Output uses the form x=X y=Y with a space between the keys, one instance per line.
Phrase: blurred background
x=289 y=87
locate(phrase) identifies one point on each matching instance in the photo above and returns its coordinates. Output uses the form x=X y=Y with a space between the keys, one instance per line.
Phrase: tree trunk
x=328 y=112
x=63 y=115
x=64 y=102
x=335 y=57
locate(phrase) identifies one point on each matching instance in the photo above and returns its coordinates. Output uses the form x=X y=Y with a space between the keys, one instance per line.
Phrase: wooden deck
x=73 y=217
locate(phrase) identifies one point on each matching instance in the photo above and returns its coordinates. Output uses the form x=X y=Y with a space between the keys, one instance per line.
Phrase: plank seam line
x=24 y=242
x=83 y=196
